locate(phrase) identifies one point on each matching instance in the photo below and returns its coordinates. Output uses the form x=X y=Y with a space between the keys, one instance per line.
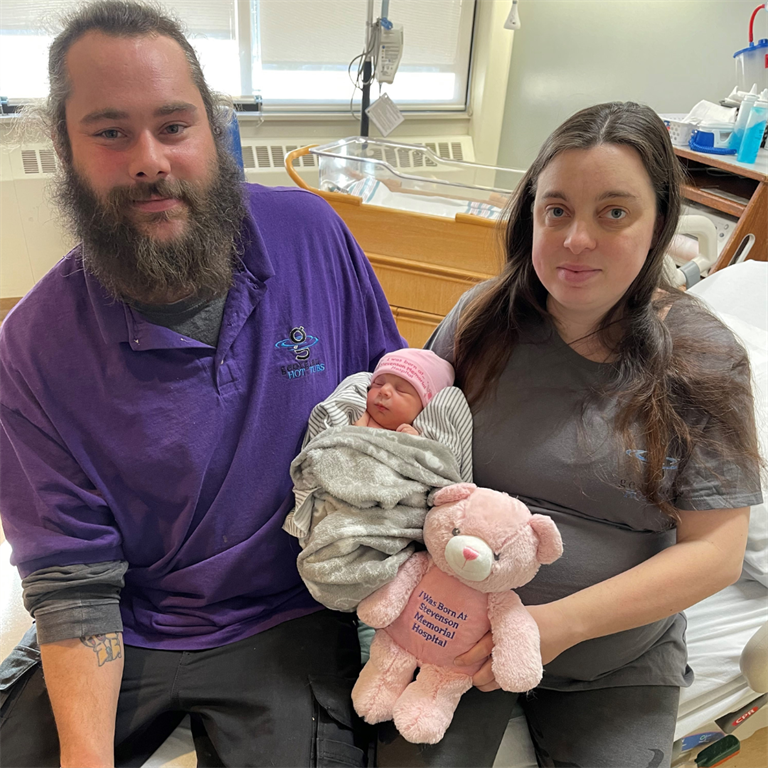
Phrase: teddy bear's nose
x=469 y=553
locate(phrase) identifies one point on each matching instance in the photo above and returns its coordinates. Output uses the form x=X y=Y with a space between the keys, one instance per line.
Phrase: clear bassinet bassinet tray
x=413 y=178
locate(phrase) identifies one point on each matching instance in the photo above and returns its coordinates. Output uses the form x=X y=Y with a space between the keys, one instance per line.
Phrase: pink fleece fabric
x=427 y=372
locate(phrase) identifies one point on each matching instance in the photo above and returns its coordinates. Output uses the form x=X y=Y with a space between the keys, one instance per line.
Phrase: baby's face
x=392 y=401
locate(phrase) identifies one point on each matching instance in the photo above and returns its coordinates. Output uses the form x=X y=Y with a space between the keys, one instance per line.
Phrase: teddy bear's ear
x=452 y=493
x=550 y=544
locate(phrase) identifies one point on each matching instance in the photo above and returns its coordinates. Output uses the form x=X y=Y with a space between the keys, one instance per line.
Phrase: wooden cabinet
x=424 y=263
x=738 y=189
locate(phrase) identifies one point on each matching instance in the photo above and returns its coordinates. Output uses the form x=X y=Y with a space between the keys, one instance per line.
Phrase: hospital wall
x=570 y=54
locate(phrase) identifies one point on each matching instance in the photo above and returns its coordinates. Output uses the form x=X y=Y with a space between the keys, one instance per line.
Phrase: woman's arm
x=707 y=557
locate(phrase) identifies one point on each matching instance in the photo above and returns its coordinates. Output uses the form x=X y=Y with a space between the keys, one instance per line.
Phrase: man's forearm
x=83 y=678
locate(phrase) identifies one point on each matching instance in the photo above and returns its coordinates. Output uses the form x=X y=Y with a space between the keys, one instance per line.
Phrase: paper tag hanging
x=385 y=114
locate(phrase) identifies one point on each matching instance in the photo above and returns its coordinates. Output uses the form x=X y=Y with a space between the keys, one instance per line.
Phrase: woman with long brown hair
x=620 y=407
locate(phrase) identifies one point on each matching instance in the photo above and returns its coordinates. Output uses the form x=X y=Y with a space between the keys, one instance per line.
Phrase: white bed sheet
x=374 y=192
x=177 y=751
x=718 y=629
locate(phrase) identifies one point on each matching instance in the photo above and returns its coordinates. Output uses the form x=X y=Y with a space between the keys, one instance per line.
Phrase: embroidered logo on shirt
x=630 y=489
x=299 y=343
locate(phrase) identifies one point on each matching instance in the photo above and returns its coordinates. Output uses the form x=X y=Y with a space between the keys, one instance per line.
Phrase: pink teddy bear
x=481 y=545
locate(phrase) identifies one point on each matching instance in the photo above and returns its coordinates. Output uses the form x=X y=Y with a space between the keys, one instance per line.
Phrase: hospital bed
x=720 y=628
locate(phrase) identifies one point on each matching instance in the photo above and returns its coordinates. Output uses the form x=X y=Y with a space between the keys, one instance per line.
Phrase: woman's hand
x=483 y=678
x=556 y=637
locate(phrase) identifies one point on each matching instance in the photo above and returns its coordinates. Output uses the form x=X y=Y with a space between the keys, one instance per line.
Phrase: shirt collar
x=256 y=260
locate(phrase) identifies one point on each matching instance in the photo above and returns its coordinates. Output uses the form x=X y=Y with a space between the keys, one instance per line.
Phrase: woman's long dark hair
x=666 y=381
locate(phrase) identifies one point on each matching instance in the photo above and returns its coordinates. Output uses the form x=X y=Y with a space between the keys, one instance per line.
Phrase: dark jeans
x=631 y=727
x=279 y=698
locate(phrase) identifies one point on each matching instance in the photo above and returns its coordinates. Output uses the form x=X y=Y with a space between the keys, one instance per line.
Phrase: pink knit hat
x=421 y=367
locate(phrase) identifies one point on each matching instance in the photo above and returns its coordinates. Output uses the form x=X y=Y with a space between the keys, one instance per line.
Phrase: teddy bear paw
x=425 y=710
x=374 y=703
x=518 y=680
x=422 y=722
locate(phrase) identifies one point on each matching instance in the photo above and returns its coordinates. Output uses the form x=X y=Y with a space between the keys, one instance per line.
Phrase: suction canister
x=752 y=61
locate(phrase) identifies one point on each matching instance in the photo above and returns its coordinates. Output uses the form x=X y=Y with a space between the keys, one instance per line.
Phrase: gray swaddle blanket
x=361 y=493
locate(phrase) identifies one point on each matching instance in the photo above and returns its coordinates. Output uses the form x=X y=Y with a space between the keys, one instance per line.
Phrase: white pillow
x=742 y=290
x=756 y=342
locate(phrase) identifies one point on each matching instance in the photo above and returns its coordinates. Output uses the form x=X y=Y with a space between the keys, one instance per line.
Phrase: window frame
x=250 y=106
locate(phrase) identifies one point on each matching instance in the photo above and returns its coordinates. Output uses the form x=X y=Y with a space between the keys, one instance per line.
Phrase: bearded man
x=155 y=385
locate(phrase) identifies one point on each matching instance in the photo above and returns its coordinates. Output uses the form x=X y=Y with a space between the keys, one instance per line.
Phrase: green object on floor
x=718 y=752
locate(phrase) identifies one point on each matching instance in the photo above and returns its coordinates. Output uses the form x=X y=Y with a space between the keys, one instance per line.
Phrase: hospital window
x=295 y=54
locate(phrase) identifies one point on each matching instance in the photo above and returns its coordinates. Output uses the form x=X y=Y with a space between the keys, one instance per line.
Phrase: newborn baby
x=403 y=383
x=361 y=495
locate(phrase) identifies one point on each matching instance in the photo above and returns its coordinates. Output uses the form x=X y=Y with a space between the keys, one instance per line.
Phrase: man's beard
x=133 y=265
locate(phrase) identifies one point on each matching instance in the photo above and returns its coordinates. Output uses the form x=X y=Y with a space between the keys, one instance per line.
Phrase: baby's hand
x=408 y=429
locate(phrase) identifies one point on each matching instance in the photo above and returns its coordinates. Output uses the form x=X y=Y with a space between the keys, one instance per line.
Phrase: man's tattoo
x=106 y=647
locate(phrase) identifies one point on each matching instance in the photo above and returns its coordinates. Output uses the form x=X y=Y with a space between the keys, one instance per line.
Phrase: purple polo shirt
x=122 y=440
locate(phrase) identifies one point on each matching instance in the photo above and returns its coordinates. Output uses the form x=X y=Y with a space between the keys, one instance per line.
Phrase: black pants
x=630 y=727
x=279 y=698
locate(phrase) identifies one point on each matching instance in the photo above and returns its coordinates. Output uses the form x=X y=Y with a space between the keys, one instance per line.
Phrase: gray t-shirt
x=533 y=442
x=200 y=319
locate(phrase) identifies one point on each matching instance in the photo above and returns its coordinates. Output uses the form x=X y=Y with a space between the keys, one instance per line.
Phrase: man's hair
x=117 y=18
